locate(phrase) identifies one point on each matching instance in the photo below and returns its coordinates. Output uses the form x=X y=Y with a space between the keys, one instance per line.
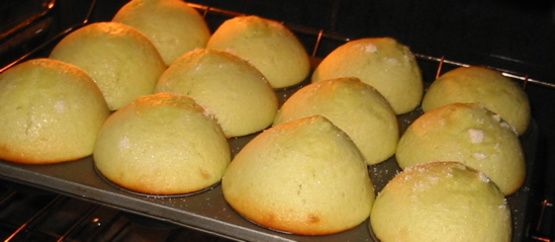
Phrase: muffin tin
x=208 y=211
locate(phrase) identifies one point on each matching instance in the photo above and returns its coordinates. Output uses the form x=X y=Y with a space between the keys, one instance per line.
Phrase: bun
x=162 y=144
x=480 y=85
x=303 y=177
x=51 y=112
x=441 y=201
x=122 y=61
x=383 y=63
x=172 y=26
x=229 y=88
x=354 y=107
x=470 y=134
x=267 y=45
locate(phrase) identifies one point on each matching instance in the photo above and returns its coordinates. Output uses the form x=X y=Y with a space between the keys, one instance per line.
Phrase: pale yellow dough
x=162 y=144
x=122 y=61
x=51 y=112
x=229 y=88
x=266 y=44
x=354 y=107
x=172 y=26
x=304 y=177
x=383 y=63
x=438 y=202
x=466 y=133
x=480 y=85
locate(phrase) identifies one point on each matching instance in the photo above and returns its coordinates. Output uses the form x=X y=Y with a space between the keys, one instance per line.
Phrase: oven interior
x=513 y=36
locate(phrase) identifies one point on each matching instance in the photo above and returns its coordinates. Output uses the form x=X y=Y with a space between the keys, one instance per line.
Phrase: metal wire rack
x=59 y=218
x=321 y=35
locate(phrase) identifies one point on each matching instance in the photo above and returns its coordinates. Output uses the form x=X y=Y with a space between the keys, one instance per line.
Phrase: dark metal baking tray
x=208 y=211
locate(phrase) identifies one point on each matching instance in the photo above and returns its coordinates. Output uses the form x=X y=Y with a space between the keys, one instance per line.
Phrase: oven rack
x=78 y=220
x=34 y=16
x=28 y=24
x=320 y=42
x=320 y=36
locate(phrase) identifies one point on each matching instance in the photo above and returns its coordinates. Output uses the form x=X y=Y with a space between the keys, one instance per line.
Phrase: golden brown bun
x=162 y=144
x=480 y=85
x=466 y=133
x=229 y=88
x=383 y=63
x=51 y=112
x=122 y=61
x=354 y=107
x=304 y=177
x=172 y=26
x=441 y=201
x=266 y=44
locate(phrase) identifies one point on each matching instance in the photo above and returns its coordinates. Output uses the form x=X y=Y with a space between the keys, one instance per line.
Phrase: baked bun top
x=266 y=44
x=51 y=112
x=485 y=86
x=122 y=61
x=173 y=27
x=441 y=201
x=162 y=144
x=304 y=177
x=229 y=88
x=467 y=133
x=354 y=107
x=383 y=63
